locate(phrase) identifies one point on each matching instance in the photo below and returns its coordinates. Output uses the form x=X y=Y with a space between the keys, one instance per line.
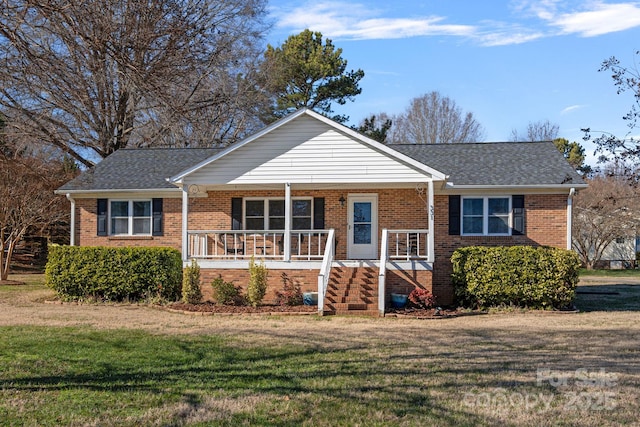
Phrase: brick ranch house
x=336 y=212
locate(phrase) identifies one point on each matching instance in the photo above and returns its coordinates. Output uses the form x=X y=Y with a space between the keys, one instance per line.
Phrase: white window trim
x=485 y=216
x=130 y=217
x=266 y=210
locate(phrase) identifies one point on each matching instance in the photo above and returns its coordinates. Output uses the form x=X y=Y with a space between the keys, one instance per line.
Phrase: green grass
x=610 y=273
x=314 y=371
x=62 y=376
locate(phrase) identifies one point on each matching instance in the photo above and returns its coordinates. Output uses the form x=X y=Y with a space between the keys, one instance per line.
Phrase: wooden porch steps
x=352 y=290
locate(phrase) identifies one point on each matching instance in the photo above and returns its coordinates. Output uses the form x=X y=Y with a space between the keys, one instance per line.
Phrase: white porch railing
x=242 y=244
x=325 y=270
x=406 y=244
x=399 y=245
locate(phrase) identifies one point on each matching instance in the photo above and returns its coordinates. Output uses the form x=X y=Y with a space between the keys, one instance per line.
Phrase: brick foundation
x=307 y=279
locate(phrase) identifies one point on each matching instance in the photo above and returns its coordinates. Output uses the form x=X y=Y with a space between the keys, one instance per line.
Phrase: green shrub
x=191 y=292
x=290 y=294
x=114 y=274
x=226 y=293
x=522 y=276
x=257 y=287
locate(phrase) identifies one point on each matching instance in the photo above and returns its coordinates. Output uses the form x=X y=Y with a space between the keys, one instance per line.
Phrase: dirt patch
x=11 y=282
x=423 y=313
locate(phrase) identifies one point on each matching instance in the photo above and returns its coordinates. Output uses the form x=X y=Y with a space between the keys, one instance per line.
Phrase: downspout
x=72 y=225
x=570 y=218
x=431 y=237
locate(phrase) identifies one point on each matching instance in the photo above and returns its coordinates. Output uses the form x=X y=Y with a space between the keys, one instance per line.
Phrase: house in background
x=327 y=207
x=621 y=253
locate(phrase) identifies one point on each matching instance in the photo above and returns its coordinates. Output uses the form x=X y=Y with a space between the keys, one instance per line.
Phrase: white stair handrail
x=383 y=271
x=325 y=270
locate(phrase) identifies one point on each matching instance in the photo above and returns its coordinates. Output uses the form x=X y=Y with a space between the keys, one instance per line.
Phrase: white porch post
x=185 y=222
x=72 y=239
x=287 y=222
x=431 y=236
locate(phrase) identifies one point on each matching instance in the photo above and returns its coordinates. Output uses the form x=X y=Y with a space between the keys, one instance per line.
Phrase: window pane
x=255 y=208
x=498 y=206
x=499 y=225
x=472 y=225
x=302 y=223
x=142 y=208
x=301 y=207
x=254 y=224
x=141 y=226
x=119 y=225
x=276 y=208
x=472 y=207
x=119 y=208
x=276 y=223
x=362 y=212
x=362 y=234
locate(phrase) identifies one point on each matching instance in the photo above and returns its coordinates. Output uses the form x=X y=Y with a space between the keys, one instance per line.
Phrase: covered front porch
x=357 y=238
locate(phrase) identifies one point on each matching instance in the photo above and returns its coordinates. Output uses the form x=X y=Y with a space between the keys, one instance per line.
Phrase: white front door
x=363 y=226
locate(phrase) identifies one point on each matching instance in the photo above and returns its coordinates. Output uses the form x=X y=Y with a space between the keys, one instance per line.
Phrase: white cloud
x=600 y=19
x=533 y=19
x=505 y=38
x=571 y=108
x=354 y=21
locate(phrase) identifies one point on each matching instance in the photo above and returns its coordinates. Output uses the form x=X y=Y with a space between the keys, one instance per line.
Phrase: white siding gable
x=306 y=150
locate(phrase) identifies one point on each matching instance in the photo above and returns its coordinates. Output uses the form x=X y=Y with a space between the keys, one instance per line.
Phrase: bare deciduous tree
x=434 y=119
x=28 y=203
x=92 y=77
x=608 y=209
x=542 y=130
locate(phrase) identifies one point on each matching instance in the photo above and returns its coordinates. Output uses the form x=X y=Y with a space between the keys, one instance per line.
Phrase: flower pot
x=398 y=300
x=310 y=298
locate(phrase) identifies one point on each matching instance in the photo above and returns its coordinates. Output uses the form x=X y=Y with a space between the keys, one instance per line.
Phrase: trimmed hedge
x=114 y=274
x=522 y=276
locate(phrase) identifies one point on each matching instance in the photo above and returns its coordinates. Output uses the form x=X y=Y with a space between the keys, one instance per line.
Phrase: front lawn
x=130 y=365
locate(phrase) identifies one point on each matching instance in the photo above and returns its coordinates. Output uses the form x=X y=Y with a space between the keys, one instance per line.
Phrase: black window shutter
x=236 y=213
x=454 y=215
x=102 y=216
x=318 y=213
x=517 y=202
x=157 y=217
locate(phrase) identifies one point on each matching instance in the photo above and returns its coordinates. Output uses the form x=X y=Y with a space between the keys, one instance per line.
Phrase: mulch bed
x=208 y=308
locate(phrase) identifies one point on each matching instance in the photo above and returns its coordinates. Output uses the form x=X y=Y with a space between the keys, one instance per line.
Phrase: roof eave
x=450 y=185
x=117 y=190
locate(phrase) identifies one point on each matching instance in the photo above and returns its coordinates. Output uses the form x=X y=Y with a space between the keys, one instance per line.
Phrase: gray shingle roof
x=484 y=164
x=501 y=163
x=133 y=169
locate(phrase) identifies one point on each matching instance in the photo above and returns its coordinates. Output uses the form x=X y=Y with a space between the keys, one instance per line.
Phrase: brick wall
x=545 y=225
x=86 y=227
x=307 y=279
x=403 y=282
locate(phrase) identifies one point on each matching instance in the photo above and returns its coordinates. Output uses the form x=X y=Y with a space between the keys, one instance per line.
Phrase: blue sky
x=508 y=62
